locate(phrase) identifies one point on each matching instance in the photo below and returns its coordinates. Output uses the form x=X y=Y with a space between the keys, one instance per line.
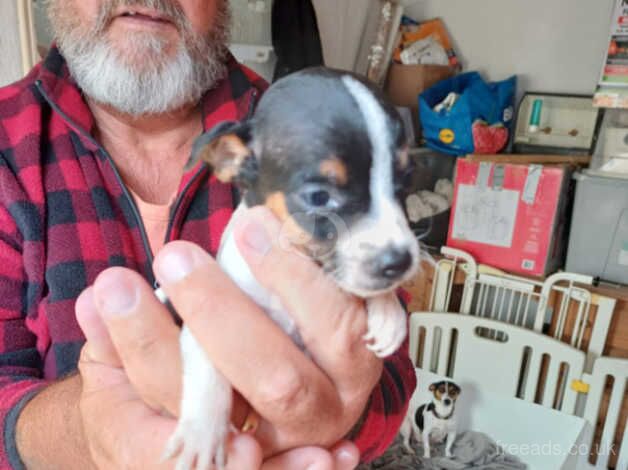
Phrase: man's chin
x=135 y=49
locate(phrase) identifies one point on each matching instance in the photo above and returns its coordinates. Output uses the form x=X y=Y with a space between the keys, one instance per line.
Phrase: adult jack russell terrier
x=434 y=420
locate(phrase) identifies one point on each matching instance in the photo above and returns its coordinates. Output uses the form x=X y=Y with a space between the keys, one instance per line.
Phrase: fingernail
x=86 y=311
x=345 y=460
x=256 y=238
x=175 y=263
x=85 y=301
x=114 y=294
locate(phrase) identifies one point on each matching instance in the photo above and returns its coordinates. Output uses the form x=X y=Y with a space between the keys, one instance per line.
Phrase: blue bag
x=451 y=131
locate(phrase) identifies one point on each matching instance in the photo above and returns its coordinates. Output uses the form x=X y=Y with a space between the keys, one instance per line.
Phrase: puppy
x=327 y=154
x=434 y=420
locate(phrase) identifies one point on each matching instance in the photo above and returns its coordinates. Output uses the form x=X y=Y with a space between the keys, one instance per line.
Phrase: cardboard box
x=512 y=216
x=404 y=83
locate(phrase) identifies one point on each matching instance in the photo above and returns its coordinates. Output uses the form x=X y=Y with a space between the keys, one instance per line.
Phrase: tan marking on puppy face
x=225 y=155
x=276 y=202
x=335 y=170
x=295 y=235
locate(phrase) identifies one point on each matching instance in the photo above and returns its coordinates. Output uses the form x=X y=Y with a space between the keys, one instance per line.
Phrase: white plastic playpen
x=548 y=395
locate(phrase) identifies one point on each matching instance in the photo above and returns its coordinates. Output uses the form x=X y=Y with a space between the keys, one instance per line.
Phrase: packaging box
x=404 y=83
x=512 y=216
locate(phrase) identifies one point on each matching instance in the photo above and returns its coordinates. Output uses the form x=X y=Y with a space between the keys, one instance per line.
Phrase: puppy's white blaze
x=381 y=184
x=385 y=223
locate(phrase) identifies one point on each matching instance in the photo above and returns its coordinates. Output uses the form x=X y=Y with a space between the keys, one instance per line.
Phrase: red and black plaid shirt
x=65 y=216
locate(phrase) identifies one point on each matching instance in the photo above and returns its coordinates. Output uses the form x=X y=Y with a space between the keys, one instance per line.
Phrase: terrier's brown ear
x=225 y=148
x=432 y=387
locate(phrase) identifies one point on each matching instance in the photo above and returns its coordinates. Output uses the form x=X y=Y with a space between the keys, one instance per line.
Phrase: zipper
x=134 y=209
x=136 y=214
x=179 y=201
x=181 y=196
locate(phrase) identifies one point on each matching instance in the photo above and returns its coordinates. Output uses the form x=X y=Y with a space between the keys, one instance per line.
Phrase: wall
x=251 y=27
x=42 y=25
x=341 y=27
x=10 y=53
x=552 y=45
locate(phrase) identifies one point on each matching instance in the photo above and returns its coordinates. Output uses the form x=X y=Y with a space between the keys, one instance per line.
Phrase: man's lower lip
x=143 y=21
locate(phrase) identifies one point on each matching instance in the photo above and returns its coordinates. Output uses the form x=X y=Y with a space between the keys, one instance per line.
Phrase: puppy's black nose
x=447 y=401
x=393 y=263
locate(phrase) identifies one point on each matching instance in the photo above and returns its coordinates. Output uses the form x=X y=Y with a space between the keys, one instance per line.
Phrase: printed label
x=446 y=136
x=527 y=264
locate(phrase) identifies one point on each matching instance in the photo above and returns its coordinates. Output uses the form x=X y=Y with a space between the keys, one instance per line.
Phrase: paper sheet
x=485 y=215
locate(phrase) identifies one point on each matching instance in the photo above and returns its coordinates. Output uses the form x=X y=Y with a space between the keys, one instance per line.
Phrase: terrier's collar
x=432 y=407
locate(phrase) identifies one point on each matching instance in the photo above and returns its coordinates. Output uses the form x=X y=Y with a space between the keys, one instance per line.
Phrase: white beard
x=144 y=74
x=156 y=84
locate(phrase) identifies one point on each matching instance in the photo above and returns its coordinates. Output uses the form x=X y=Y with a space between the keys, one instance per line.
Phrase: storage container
x=598 y=241
x=430 y=167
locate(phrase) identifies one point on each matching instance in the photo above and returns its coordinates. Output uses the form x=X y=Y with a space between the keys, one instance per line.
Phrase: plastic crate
x=598 y=241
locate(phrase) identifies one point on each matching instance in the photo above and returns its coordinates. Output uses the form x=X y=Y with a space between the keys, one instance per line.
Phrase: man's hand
x=123 y=432
x=302 y=402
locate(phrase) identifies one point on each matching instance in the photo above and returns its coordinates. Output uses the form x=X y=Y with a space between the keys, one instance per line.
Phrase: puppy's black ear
x=432 y=387
x=226 y=149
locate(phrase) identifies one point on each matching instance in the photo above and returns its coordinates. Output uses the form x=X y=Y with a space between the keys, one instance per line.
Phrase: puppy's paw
x=199 y=444
x=387 y=324
x=409 y=448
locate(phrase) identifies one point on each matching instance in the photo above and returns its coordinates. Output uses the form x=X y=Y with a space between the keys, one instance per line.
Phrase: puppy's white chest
x=232 y=262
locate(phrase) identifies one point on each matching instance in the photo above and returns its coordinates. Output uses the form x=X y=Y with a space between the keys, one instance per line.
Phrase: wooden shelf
x=526 y=159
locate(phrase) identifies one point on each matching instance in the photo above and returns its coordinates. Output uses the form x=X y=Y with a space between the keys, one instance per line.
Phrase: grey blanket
x=471 y=450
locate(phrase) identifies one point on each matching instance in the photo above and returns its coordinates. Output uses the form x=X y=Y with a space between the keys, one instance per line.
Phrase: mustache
x=170 y=9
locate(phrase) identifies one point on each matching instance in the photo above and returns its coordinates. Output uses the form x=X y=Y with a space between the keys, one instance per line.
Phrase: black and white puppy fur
x=434 y=420
x=327 y=154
